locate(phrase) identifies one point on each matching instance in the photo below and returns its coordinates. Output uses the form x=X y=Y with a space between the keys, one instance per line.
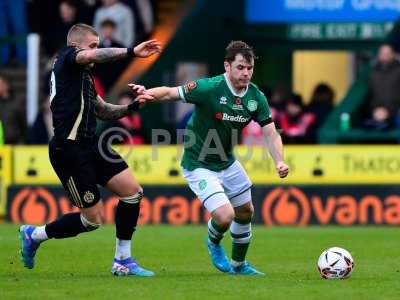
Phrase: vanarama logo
x=226 y=117
x=296 y=206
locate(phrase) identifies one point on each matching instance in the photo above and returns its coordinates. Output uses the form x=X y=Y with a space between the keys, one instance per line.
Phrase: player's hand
x=137 y=89
x=282 y=169
x=147 y=48
x=139 y=102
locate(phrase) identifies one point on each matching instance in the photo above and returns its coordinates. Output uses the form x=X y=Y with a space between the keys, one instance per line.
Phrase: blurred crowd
x=132 y=21
x=120 y=23
x=123 y=23
x=298 y=122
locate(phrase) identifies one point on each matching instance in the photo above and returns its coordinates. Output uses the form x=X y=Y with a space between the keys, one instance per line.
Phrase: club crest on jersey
x=252 y=105
x=202 y=184
x=238 y=104
x=225 y=117
x=223 y=100
x=190 y=86
x=88 y=197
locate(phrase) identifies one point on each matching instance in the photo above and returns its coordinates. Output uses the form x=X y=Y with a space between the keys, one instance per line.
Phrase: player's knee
x=133 y=198
x=91 y=223
x=129 y=190
x=245 y=213
x=224 y=217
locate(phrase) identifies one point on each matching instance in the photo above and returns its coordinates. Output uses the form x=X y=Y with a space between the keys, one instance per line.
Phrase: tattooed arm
x=102 y=55
x=108 y=111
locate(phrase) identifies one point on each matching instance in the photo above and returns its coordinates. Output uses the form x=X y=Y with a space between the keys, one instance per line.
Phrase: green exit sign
x=339 y=31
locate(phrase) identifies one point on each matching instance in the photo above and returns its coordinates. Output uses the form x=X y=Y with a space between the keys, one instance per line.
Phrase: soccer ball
x=335 y=263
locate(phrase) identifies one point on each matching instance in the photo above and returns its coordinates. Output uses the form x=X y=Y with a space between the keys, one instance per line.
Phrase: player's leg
x=238 y=187
x=68 y=225
x=113 y=173
x=74 y=167
x=241 y=236
x=130 y=193
x=205 y=184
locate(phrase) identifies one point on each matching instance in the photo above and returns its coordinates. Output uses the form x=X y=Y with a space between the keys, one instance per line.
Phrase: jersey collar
x=228 y=83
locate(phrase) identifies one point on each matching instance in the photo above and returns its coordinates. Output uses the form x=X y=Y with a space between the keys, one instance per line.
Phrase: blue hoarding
x=264 y=11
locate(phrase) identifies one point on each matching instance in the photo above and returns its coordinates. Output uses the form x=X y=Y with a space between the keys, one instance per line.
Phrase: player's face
x=240 y=71
x=90 y=41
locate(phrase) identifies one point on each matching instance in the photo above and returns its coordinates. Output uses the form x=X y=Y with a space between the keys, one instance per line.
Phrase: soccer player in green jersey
x=224 y=104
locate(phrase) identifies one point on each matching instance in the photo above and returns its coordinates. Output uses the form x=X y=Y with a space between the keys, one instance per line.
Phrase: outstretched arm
x=275 y=148
x=159 y=94
x=107 y=111
x=102 y=55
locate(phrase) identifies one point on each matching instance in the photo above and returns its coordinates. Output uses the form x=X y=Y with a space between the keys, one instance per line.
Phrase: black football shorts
x=81 y=166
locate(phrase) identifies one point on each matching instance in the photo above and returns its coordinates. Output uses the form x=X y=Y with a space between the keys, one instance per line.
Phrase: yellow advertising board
x=32 y=166
x=309 y=164
x=158 y=165
x=326 y=165
x=5 y=176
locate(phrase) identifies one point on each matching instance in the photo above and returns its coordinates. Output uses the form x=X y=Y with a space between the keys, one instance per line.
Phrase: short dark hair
x=70 y=3
x=78 y=31
x=238 y=47
x=108 y=22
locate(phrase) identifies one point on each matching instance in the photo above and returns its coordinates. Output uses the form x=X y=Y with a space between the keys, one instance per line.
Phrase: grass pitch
x=79 y=268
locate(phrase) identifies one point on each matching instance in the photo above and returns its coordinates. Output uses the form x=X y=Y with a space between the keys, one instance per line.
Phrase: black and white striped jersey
x=72 y=96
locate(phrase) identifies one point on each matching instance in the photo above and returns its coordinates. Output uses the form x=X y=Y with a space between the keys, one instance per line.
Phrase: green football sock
x=215 y=231
x=241 y=236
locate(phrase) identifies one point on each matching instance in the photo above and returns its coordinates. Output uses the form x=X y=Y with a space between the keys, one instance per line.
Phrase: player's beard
x=242 y=84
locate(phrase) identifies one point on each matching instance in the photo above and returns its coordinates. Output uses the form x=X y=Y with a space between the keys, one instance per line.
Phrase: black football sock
x=68 y=225
x=126 y=217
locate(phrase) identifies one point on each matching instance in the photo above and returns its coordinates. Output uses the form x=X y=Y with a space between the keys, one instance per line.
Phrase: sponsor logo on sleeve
x=190 y=86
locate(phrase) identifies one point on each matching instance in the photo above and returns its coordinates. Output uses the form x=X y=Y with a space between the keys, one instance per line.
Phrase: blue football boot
x=218 y=257
x=245 y=269
x=129 y=267
x=28 y=246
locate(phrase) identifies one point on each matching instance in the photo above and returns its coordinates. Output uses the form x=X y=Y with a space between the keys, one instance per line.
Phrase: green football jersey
x=218 y=118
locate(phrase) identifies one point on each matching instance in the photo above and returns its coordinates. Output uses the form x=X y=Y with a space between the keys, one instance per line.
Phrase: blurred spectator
x=295 y=122
x=55 y=37
x=320 y=106
x=41 y=130
x=87 y=9
x=277 y=102
x=383 y=90
x=13 y=26
x=122 y=16
x=380 y=120
x=131 y=124
x=11 y=115
x=393 y=37
x=108 y=73
x=107 y=34
x=144 y=19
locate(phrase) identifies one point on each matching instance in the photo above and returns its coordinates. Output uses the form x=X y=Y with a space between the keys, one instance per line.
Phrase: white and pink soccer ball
x=335 y=263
